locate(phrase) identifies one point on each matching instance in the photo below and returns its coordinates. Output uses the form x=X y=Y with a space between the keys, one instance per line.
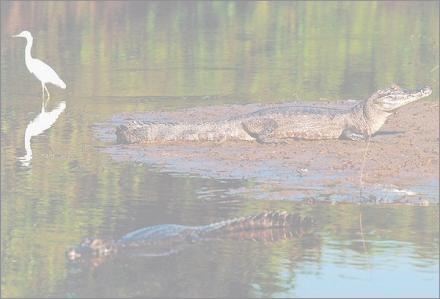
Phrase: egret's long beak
x=18 y=35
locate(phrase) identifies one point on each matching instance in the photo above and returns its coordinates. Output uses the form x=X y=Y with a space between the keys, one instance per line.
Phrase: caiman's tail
x=267 y=220
x=142 y=132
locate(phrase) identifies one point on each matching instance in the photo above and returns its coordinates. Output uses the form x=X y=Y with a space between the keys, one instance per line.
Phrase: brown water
x=119 y=57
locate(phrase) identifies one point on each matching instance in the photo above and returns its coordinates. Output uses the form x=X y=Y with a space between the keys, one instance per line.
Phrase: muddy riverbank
x=401 y=165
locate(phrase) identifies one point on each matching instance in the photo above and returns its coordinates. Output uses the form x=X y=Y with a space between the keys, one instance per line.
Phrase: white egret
x=42 y=71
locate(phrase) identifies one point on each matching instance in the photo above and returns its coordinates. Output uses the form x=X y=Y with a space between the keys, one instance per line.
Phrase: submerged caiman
x=166 y=239
x=278 y=125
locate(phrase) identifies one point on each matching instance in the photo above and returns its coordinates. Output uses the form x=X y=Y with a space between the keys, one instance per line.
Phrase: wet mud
x=401 y=164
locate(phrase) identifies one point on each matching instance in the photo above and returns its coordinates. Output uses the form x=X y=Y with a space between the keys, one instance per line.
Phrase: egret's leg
x=43 y=100
x=47 y=90
x=48 y=94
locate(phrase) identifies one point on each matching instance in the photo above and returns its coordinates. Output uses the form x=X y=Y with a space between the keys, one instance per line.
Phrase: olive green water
x=119 y=57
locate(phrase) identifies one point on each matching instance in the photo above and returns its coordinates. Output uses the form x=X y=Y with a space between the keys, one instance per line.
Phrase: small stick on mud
x=361 y=183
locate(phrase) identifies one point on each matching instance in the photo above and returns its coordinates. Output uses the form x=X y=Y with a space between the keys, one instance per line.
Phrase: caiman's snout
x=416 y=95
x=426 y=91
x=396 y=97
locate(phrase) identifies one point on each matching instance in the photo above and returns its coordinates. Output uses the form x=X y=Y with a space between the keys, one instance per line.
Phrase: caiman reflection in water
x=38 y=125
x=167 y=239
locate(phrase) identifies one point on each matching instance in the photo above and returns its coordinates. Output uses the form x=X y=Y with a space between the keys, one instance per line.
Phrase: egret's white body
x=42 y=71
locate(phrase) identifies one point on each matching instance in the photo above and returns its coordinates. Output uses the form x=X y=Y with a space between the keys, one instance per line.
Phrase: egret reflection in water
x=38 y=125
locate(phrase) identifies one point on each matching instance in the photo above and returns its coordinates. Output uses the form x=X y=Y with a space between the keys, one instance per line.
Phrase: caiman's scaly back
x=267 y=220
x=166 y=239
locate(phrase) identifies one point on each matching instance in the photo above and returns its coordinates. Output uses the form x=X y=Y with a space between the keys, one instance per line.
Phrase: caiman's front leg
x=263 y=130
x=352 y=134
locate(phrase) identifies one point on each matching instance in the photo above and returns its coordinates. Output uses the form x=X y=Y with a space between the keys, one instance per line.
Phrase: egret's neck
x=27 y=50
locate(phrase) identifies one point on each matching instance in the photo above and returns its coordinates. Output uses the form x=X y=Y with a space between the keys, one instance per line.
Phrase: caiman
x=166 y=239
x=279 y=125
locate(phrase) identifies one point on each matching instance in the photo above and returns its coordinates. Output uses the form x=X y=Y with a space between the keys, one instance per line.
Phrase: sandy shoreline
x=402 y=162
